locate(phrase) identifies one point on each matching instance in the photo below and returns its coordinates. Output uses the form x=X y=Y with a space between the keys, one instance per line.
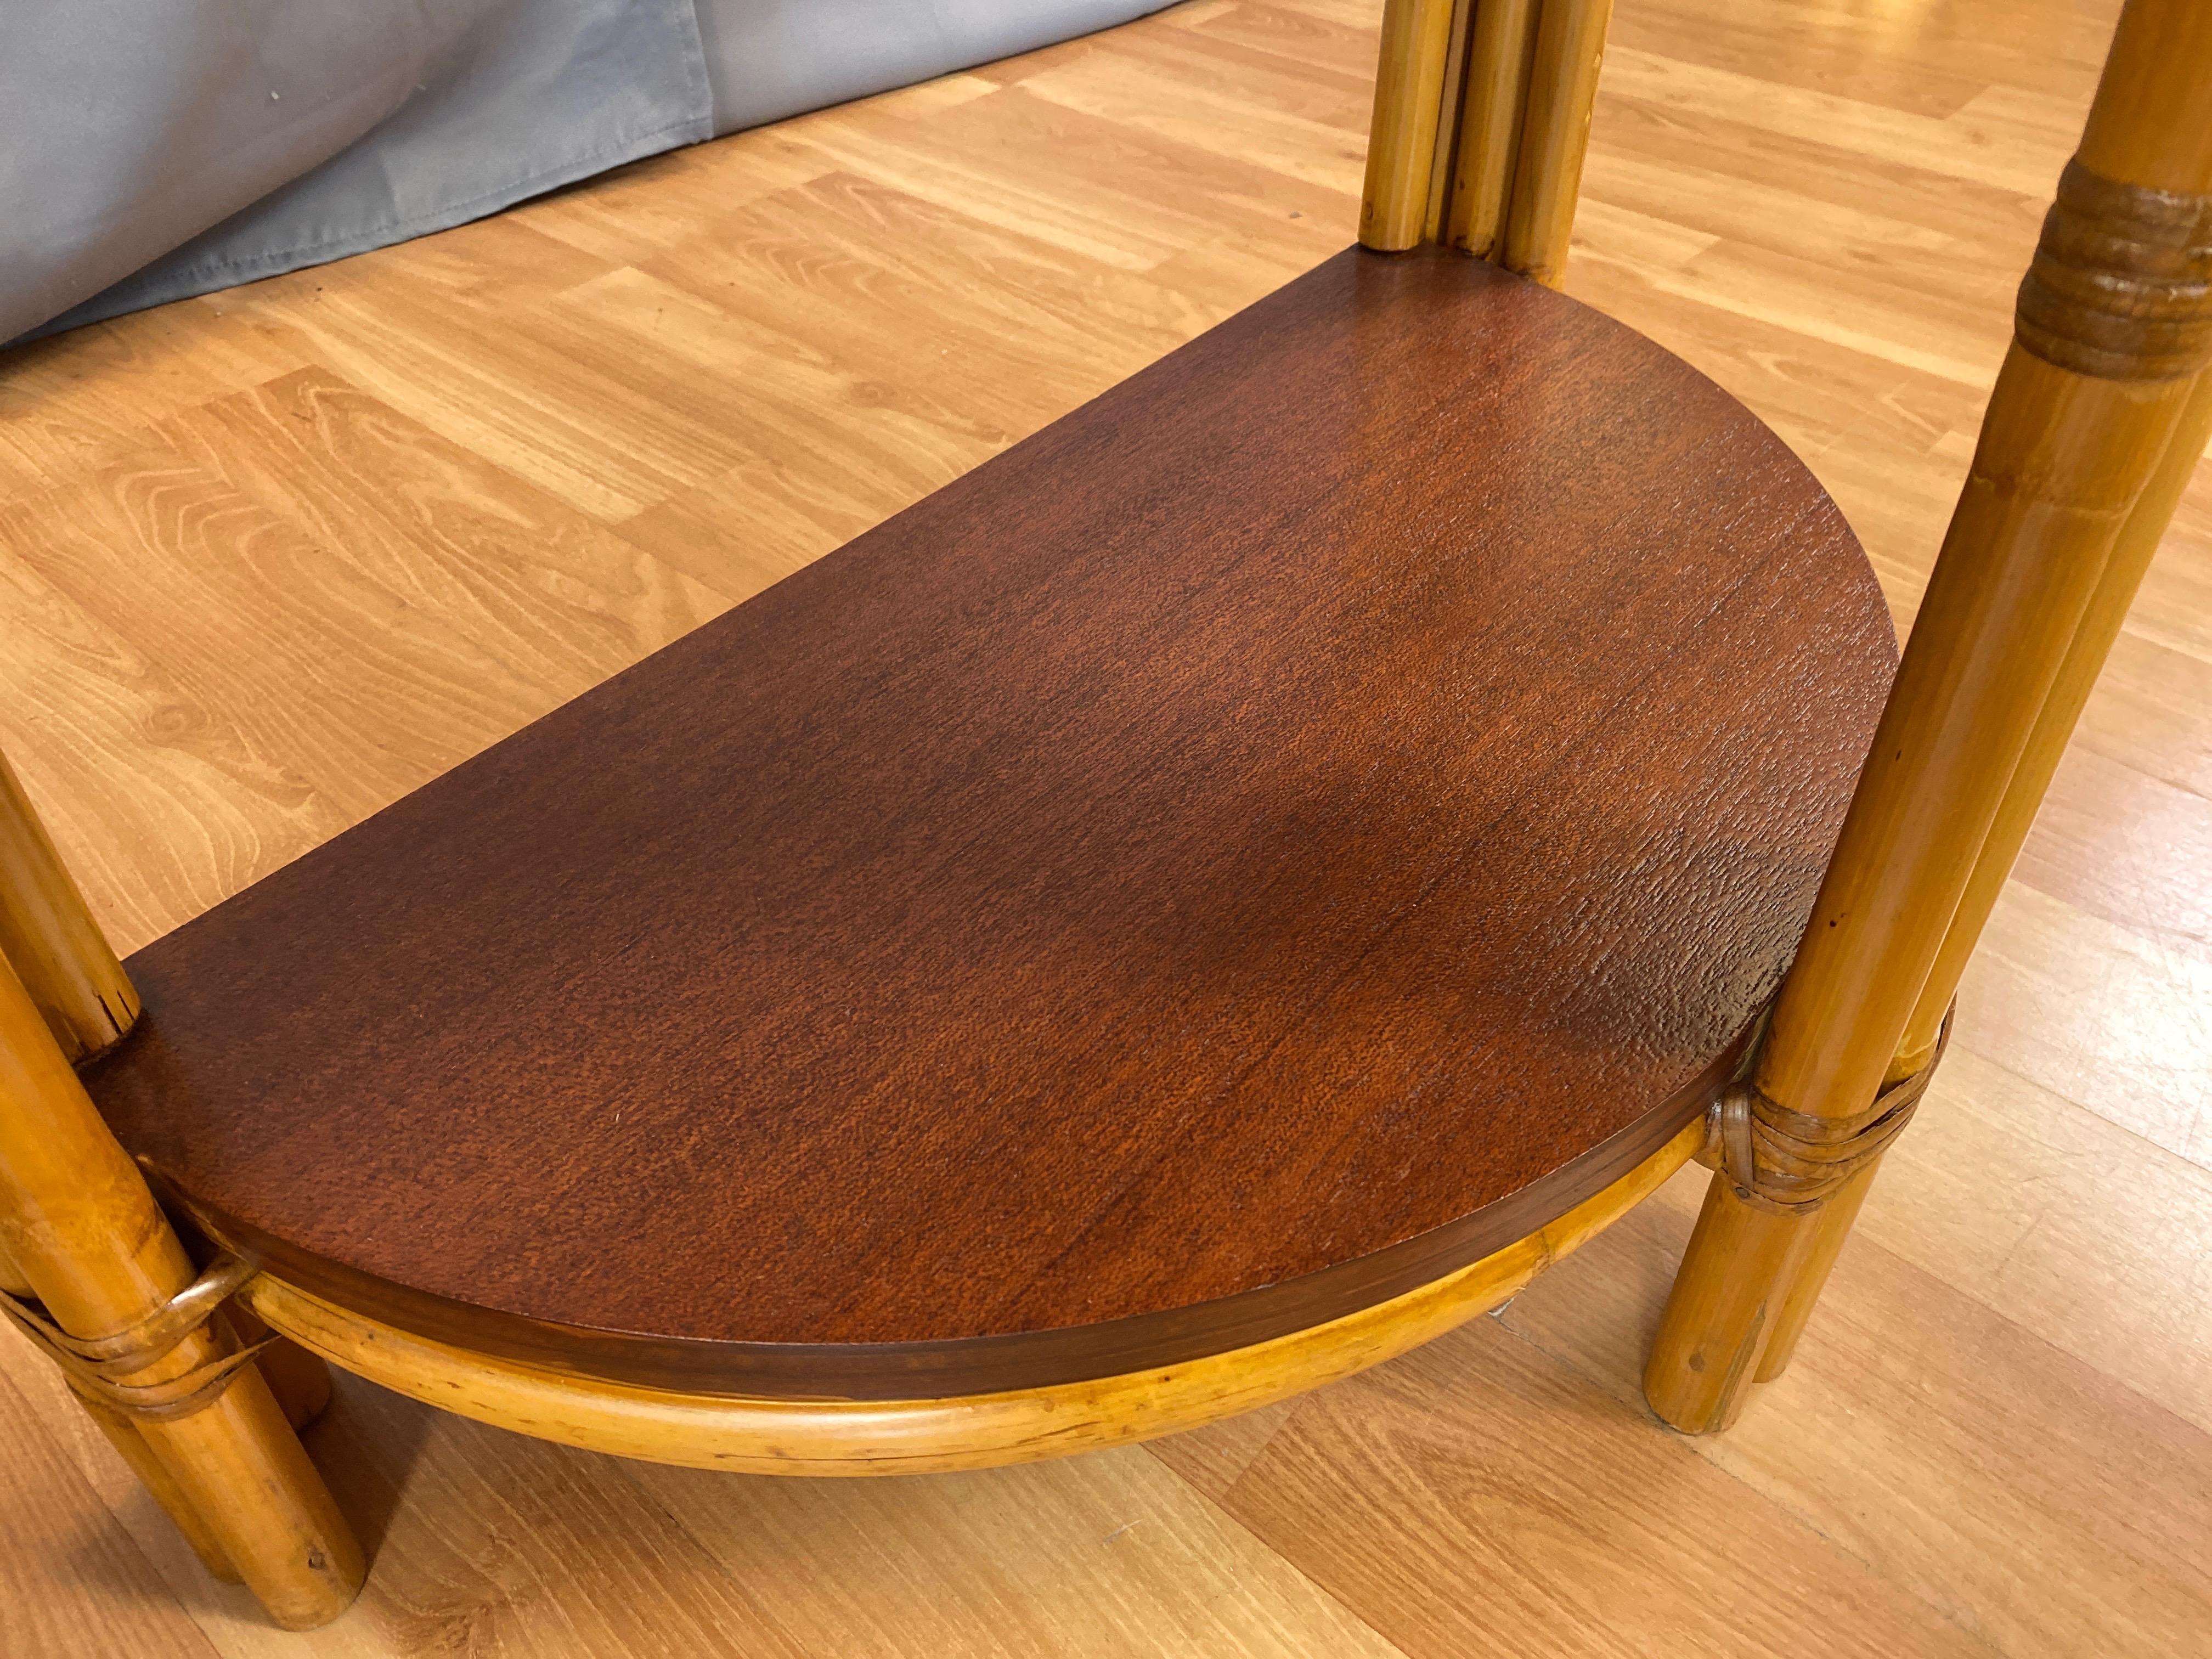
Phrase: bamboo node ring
x=2121 y=285
x=97 y=1365
x=1785 y=1162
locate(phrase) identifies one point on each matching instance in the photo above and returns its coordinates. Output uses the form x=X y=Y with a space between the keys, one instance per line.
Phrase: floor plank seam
x=1230 y=1516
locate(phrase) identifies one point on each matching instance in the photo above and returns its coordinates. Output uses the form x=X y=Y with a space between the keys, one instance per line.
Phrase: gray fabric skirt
x=152 y=150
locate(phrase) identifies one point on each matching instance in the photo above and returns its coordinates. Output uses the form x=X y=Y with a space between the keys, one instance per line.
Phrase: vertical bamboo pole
x=1409 y=89
x=1449 y=109
x=49 y=936
x=2115 y=322
x=2070 y=693
x=123 y=1434
x=131 y=1445
x=1500 y=48
x=77 y=1220
x=1547 y=166
x=1804 y=1280
x=154 y=1474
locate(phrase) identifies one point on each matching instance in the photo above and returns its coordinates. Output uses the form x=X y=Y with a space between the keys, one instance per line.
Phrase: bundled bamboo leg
x=78 y=1221
x=1547 y=163
x=1501 y=46
x=2115 y=322
x=154 y=1474
x=88 y=1002
x=1800 y=1284
x=50 y=936
x=123 y=1434
x=1481 y=121
x=2069 y=695
x=1401 y=145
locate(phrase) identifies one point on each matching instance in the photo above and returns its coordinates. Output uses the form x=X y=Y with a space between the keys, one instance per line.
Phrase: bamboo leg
x=1806 y=1280
x=77 y=1219
x=1500 y=48
x=47 y=934
x=2070 y=693
x=1547 y=165
x=1401 y=145
x=64 y=961
x=50 y=939
x=1715 y=1328
x=2046 y=745
x=154 y=1474
x=2006 y=600
x=239 y=1465
x=123 y=1434
x=2114 y=326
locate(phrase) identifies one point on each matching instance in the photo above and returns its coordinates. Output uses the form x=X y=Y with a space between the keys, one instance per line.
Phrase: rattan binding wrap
x=97 y=1365
x=2121 y=285
x=1791 y=1163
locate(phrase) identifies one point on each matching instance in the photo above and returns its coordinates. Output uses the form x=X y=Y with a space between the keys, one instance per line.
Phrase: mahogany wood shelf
x=1296 y=824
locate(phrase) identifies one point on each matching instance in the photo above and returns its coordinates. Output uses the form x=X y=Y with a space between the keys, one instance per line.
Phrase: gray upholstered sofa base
x=150 y=150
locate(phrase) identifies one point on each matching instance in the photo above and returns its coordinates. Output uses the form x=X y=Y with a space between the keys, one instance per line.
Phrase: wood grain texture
x=2023 y=1544
x=1284 y=832
x=1477 y=1461
x=1120 y=1562
x=1825 y=208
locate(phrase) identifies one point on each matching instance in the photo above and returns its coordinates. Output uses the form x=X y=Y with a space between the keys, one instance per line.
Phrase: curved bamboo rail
x=905 y=1436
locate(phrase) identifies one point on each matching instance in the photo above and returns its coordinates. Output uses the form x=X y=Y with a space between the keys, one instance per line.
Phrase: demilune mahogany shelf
x=1299 y=823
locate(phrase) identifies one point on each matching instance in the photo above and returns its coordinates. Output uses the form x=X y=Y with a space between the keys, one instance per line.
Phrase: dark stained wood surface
x=1290 y=827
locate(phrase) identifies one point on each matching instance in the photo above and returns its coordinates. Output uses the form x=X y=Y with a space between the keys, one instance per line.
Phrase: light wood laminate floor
x=270 y=558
